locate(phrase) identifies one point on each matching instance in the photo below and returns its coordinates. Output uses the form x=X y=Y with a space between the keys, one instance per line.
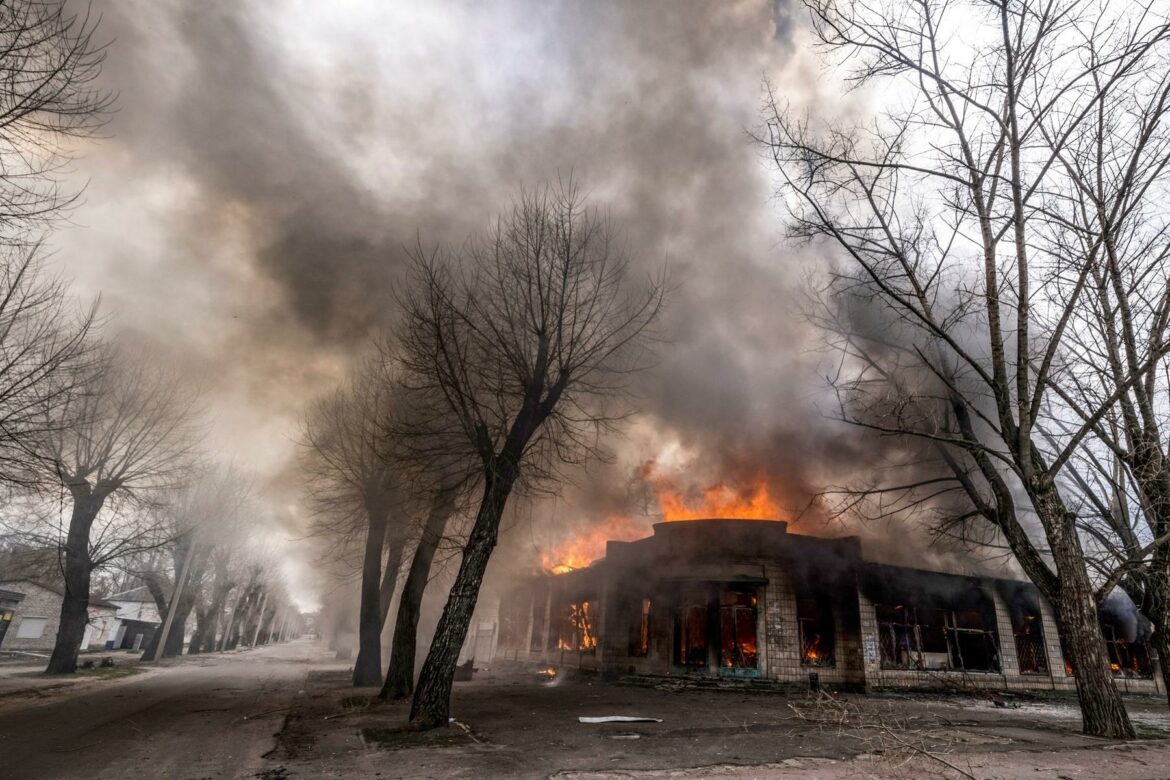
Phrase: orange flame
x=579 y=552
x=717 y=501
x=812 y=653
x=721 y=500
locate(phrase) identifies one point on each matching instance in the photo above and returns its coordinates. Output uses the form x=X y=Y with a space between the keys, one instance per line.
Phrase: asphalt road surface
x=209 y=717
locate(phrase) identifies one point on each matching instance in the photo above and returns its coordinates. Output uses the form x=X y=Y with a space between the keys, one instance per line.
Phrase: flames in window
x=813 y=652
x=582 y=633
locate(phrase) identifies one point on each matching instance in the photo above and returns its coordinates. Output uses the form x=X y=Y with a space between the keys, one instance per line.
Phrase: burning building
x=747 y=599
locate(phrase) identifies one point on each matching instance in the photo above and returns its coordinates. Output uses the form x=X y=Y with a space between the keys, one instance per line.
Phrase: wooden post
x=174 y=605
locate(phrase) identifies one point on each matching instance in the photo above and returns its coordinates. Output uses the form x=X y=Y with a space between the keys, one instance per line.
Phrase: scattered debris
x=107 y=662
x=466 y=730
x=618 y=719
x=255 y=715
x=405 y=738
x=847 y=719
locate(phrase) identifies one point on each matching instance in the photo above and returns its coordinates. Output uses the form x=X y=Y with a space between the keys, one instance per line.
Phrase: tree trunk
x=78 y=567
x=1157 y=598
x=367 y=669
x=155 y=588
x=400 y=676
x=214 y=615
x=199 y=635
x=394 y=549
x=432 y=699
x=1102 y=711
x=233 y=624
x=174 y=645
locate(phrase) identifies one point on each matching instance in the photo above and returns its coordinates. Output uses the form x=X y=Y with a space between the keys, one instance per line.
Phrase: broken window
x=1126 y=658
x=640 y=631
x=1028 y=634
x=539 y=605
x=514 y=621
x=814 y=619
x=971 y=644
x=564 y=638
x=898 y=637
x=582 y=619
x=932 y=638
x=690 y=630
x=737 y=629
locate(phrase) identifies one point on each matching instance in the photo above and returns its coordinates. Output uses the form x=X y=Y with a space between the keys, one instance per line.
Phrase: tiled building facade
x=33 y=627
x=746 y=599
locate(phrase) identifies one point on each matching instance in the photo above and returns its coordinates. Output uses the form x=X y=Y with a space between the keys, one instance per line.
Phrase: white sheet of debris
x=619 y=719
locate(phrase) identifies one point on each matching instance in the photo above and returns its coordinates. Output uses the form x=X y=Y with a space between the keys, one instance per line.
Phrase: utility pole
x=232 y=620
x=283 y=623
x=260 y=619
x=174 y=605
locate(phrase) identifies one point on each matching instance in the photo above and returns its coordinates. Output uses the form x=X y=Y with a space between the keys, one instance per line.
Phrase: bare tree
x=127 y=430
x=950 y=213
x=353 y=492
x=43 y=346
x=517 y=346
x=227 y=572
x=48 y=98
x=1115 y=222
x=400 y=674
x=203 y=520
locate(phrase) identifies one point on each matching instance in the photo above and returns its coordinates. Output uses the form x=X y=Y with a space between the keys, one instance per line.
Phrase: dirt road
x=210 y=717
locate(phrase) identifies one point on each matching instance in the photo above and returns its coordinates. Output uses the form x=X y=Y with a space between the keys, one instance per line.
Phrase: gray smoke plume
x=270 y=161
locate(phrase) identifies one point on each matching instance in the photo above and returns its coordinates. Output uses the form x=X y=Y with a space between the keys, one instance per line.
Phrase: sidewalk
x=23 y=678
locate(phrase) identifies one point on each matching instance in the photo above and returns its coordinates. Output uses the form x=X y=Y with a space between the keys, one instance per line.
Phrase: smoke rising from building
x=270 y=161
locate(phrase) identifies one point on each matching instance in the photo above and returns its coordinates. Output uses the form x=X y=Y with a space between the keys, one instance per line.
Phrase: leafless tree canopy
x=968 y=251
x=348 y=463
x=537 y=315
x=43 y=350
x=49 y=64
x=130 y=425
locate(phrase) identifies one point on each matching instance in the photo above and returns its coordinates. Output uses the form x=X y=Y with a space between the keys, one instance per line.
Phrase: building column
x=871 y=654
x=1009 y=661
x=1052 y=647
x=528 y=626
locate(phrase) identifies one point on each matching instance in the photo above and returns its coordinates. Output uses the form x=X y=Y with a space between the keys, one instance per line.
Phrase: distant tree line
x=100 y=459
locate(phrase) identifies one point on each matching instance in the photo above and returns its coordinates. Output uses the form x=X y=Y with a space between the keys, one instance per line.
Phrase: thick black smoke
x=270 y=161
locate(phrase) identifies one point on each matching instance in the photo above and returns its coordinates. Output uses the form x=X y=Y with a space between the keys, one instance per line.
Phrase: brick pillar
x=1052 y=647
x=850 y=650
x=870 y=642
x=544 y=651
x=528 y=626
x=1009 y=662
x=781 y=635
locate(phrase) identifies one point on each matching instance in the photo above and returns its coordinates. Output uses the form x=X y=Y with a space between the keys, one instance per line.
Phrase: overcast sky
x=269 y=160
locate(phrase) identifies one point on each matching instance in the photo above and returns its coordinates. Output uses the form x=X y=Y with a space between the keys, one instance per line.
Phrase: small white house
x=33 y=626
x=137 y=617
